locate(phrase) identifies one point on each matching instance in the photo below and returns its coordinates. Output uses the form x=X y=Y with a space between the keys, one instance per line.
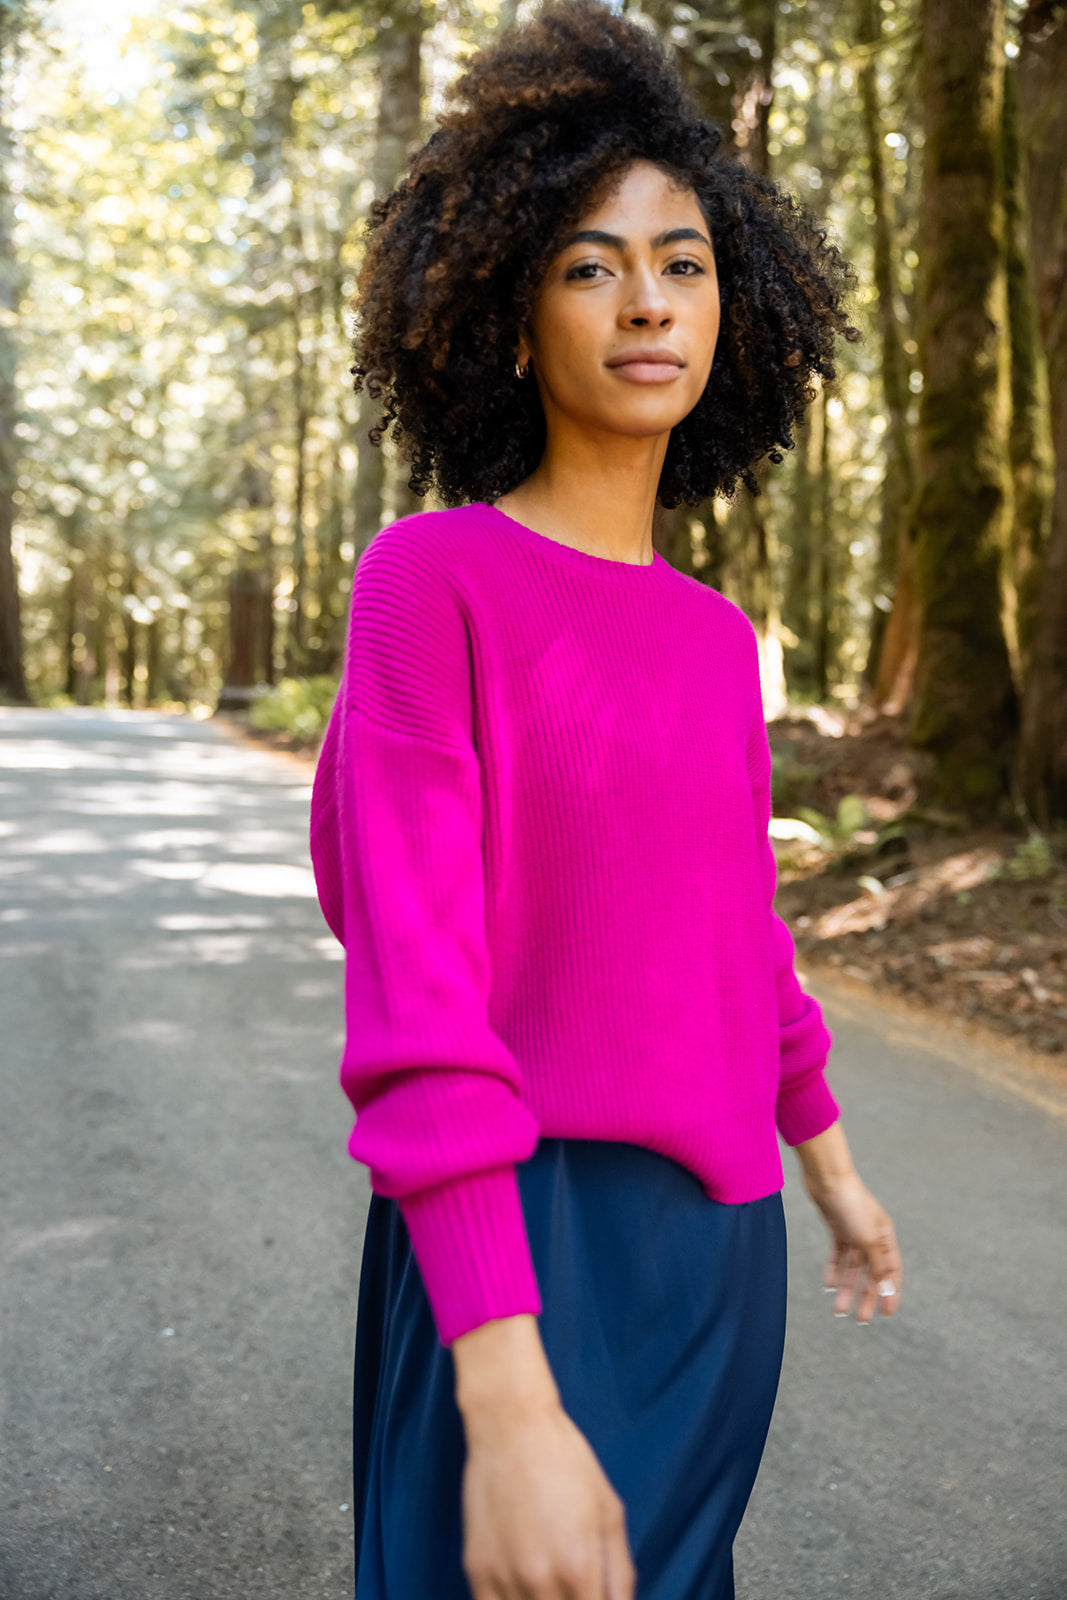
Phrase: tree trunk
x=796 y=597
x=249 y=637
x=750 y=536
x=70 y=629
x=750 y=580
x=153 y=659
x=763 y=17
x=898 y=482
x=129 y=661
x=12 y=676
x=824 y=642
x=250 y=647
x=399 y=124
x=898 y=658
x=1043 y=111
x=1031 y=438
x=965 y=710
x=295 y=661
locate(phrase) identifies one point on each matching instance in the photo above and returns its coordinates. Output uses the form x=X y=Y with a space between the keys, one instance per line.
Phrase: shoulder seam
x=448 y=578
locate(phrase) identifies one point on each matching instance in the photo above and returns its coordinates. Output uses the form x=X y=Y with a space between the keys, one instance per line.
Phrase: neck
x=596 y=495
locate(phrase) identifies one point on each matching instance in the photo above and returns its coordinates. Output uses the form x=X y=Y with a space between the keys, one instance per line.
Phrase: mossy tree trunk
x=965 y=709
x=1043 y=111
x=824 y=575
x=1031 y=437
x=892 y=570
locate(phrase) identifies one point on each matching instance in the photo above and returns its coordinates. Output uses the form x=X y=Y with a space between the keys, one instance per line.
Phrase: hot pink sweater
x=539 y=828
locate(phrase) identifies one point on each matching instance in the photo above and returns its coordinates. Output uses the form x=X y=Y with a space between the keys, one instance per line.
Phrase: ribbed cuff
x=469 y=1239
x=805 y=1109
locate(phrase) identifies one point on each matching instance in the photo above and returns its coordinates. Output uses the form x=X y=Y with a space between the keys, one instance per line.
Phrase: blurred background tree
x=185 y=476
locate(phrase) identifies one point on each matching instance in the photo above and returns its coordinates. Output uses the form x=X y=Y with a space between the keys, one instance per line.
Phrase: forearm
x=826 y=1161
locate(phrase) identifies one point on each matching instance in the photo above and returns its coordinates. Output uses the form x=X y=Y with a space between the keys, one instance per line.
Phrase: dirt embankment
x=967 y=922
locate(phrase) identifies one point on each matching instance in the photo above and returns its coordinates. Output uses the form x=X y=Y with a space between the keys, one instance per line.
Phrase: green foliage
x=848 y=833
x=188 y=191
x=852 y=817
x=789 y=777
x=300 y=706
x=1032 y=860
x=189 y=203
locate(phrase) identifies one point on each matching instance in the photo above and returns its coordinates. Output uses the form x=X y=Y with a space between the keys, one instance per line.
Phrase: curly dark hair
x=541 y=126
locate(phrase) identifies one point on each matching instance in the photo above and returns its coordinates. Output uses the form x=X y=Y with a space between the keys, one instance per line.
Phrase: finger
x=829 y=1272
x=885 y=1269
x=882 y=1274
x=836 y=1265
x=868 y=1298
x=847 y=1277
x=888 y=1297
x=620 y=1579
x=485 y=1588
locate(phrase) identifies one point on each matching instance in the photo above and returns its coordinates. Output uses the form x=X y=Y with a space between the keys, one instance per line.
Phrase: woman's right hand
x=540 y=1519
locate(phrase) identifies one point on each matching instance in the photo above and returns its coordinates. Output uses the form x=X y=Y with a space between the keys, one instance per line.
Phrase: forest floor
x=970 y=923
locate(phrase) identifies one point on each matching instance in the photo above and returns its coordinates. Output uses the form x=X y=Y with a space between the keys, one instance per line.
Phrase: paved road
x=179 y=1228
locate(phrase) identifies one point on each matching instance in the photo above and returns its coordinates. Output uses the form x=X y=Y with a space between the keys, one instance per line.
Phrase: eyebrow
x=615 y=241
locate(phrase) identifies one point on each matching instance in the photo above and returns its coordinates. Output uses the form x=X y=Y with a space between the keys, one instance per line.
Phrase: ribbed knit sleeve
x=805 y=1107
x=397 y=850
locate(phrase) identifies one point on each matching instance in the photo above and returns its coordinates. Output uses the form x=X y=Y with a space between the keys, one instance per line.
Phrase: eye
x=685 y=267
x=585 y=271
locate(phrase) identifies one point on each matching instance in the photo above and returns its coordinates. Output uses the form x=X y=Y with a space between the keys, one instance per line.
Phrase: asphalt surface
x=180 y=1228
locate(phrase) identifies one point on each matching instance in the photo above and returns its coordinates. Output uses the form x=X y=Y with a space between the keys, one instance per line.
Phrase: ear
x=523 y=352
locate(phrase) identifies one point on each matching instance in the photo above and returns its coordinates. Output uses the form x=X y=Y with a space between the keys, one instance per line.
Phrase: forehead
x=645 y=194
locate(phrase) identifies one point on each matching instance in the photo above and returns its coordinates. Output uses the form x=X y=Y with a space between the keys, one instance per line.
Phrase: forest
x=185 y=474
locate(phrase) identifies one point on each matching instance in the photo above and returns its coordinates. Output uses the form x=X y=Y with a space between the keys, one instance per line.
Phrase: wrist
x=826 y=1161
x=502 y=1375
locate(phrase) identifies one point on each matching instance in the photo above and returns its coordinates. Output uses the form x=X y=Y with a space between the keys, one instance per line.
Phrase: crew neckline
x=633 y=573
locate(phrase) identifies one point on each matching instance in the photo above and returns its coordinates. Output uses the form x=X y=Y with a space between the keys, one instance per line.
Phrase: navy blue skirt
x=663 y=1322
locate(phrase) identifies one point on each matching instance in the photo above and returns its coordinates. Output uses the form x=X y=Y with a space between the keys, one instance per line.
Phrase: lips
x=645 y=356
x=646 y=364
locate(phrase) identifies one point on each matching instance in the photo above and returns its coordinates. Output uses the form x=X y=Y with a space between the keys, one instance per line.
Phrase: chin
x=647 y=427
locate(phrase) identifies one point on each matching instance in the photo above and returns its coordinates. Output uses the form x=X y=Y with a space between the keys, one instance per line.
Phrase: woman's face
x=623 y=331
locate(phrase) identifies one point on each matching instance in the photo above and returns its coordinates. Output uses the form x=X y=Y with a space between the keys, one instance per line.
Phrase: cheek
x=567 y=350
x=711 y=323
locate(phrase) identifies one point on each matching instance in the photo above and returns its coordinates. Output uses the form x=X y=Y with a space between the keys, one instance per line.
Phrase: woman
x=539 y=827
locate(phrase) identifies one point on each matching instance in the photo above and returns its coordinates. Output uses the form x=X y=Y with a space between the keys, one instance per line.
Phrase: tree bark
x=399 y=122
x=750 y=537
x=1032 y=464
x=295 y=653
x=250 y=646
x=823 y=564
x=796 y=597
x=898 y=482
x=1042 y=770
x=965 y=710
x=12 y=674
x=153 y=659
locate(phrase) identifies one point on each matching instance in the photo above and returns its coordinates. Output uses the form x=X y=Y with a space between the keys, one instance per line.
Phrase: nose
x=647 y=306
